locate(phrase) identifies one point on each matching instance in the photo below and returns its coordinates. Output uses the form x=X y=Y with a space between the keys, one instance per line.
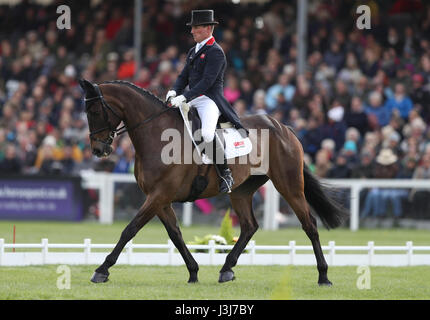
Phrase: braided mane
x=140 y=90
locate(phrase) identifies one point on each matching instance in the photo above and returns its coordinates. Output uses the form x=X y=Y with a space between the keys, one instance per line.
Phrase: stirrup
x=226 y=182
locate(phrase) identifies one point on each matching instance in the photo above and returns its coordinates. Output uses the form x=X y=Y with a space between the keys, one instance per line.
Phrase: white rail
x=104 y=182
x=291 y=254
x=355 y=185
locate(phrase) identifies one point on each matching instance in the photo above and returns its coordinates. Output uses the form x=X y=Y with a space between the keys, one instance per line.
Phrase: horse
x=145 y=117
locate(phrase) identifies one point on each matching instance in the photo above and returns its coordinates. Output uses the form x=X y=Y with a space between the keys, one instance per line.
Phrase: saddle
x=196 y=122
x=235 y=142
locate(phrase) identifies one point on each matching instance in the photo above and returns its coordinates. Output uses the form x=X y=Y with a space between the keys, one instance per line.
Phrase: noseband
x=105 y=107
x=113 y=131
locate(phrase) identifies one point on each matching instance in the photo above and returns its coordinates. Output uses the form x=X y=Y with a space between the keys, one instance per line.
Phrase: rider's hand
x=177 y=101
x=170 y=94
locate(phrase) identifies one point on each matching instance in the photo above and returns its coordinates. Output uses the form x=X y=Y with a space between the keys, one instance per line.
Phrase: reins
x=124 y=129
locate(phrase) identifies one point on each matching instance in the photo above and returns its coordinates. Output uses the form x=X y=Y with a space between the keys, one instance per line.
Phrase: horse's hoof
x=226 y=276
x=99 y=277
x=193 y=278
x=326 y=283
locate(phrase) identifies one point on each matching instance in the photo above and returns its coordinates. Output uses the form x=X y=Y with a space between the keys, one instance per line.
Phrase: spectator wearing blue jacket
x=378 y=113
x=400 y=101
x=282 y=86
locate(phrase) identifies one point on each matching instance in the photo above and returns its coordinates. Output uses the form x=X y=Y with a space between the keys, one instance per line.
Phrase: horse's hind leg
x=168 y=218
x=145 y=213
x=291 y=187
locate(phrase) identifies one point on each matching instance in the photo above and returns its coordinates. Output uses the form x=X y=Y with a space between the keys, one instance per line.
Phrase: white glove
x=177 y=101
x=170 y=94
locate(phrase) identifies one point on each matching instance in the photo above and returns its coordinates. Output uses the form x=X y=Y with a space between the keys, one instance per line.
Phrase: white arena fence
x=291 y=254
x=105 y=182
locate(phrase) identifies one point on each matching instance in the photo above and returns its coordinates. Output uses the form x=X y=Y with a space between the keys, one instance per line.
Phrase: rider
x=204 y=74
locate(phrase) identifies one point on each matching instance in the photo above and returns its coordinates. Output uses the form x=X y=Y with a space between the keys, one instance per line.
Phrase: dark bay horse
x=145 y=117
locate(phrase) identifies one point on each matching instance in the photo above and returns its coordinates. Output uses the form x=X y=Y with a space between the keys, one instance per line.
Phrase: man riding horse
x=204 y=74
x=113 y=102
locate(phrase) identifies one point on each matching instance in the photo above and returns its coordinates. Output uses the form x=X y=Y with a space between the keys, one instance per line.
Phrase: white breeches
x=209 y=114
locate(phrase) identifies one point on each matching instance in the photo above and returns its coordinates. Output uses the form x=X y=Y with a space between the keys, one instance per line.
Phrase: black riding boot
x=222 y=169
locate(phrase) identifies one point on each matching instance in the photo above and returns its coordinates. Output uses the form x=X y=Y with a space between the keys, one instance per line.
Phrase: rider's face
x=201 y=33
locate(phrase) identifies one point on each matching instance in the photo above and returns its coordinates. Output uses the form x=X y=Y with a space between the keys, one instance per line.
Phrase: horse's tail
x=331 y=213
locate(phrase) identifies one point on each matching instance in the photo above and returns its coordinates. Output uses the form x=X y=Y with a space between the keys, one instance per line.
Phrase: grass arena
x=130 y=282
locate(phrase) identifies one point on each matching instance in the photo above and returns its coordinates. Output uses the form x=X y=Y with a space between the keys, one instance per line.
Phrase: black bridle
x=105 y=107
x=113 y=131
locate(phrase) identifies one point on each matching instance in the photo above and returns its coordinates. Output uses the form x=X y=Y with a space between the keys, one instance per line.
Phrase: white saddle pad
x=235 y=145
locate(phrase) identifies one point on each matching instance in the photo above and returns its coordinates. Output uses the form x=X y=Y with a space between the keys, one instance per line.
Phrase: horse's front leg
x=145 y=214
x=168 y=218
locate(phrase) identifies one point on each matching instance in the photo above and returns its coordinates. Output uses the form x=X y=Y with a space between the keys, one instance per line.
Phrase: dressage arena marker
x=215 y=254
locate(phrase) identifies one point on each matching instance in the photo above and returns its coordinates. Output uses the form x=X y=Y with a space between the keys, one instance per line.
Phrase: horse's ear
x=88 y=87
x=82 y=83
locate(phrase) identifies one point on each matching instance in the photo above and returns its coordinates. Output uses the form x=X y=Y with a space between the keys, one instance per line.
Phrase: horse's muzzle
x=103 y=151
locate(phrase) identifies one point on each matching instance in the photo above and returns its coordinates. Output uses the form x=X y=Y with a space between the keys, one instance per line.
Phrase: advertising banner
x=41 y=198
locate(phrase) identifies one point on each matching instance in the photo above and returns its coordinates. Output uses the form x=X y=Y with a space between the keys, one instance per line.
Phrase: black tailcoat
x=204 y=74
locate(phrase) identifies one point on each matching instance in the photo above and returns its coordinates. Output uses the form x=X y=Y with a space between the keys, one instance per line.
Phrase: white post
x=252 y=245
x=129 y=252
x=87 y=250
x=171 y=251
x=44 y=250
x=332 y=246
x=267 y=207
x=103 y=199
x=110 y=193
x=355 y=207
x=1 y=251
x=106 y=198
x=271 y=207
x=211 y=251
x=275 y=222
x=409 y=245
x=292 y=251
x=187 y=213
x=371 y=245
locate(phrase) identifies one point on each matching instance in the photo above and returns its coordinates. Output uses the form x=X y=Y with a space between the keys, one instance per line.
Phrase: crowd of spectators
x=363 y=91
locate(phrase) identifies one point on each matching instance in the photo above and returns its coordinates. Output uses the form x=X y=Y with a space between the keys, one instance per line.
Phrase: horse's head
x=102 y=119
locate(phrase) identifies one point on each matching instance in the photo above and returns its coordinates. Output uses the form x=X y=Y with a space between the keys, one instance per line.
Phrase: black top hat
x=202 y=17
